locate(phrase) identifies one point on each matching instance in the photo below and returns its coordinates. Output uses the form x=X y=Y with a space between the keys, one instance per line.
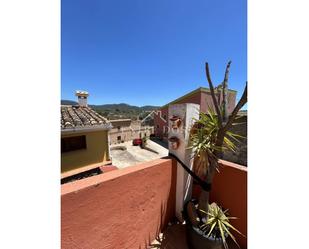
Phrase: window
x=118 y=128
x=73 y=143
x=164 y=116
x=119 y=138
x=158 y=126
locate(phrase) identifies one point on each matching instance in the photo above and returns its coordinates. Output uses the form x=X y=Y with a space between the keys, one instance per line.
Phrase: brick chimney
x=82 y=97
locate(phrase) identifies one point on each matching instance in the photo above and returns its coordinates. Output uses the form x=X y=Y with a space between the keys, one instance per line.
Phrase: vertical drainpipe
x=108 y=144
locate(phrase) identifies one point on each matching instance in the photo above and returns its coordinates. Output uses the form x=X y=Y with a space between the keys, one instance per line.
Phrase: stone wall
x=240 y=156
x=127 y=131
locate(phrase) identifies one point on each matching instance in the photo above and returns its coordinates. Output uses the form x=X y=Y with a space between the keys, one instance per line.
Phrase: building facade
x=199 y=96
x=84 y=136
x=126 y=130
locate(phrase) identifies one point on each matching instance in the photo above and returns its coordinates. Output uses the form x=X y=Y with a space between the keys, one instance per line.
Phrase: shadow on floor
x=160 y=142
x=174 y=237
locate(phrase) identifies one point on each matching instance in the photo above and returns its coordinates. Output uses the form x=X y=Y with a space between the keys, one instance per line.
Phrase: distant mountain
x=149 y=108
x=115 y=111
x=68 y=102
x=121 y=107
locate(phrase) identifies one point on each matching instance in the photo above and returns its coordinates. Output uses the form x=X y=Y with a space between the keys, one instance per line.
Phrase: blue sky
x=144 y=52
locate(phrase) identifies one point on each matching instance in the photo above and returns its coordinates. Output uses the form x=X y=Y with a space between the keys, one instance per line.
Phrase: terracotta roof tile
x=80 y=116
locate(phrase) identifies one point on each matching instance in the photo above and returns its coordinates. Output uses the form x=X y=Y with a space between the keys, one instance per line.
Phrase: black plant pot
x=196 y=239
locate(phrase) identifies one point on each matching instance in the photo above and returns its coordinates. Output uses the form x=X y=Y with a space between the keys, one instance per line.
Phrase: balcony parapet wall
x=125 y=208
x=229 y=190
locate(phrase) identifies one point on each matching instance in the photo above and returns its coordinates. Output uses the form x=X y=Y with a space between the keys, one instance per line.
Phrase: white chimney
x=82 y=97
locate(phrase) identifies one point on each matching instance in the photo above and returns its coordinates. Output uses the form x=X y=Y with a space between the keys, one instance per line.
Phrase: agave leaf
x=211 y=228
x=234 y=136
x=203 y=211
x=222 y=235
x=229 y=144
x=230 y=226
x=210 y=214
x=231 y=235
x=204 y=226
x=210 y=221
x=236 y=123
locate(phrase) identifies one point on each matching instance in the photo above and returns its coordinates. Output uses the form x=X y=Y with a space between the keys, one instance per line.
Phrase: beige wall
x=121 y=122
x=96 y=152
x=129 y=133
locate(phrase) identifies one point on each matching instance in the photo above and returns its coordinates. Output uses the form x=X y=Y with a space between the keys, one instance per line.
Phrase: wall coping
x=78 y=130
x=200 y=89
x=84 y=168
x=71 y=187
x=108 y=176
x=232 y=165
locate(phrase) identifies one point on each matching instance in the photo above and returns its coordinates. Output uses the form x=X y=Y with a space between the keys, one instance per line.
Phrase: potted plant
x=213 y=233
x=174 y=142
x=210 y=136
x=144 y=141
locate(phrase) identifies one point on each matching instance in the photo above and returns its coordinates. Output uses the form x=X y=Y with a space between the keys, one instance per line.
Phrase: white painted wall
x=187 y=112
x=82 y=101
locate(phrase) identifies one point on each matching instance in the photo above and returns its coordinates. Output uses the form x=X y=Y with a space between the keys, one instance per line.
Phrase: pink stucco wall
x=195 y=98
x=160 y=123
x=230 y=190
x=124 y=208
x=202 y=98
x=206 y=101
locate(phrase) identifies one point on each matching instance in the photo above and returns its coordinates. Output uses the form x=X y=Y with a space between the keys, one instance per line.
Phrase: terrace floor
x=174 y=237
x=133 y=155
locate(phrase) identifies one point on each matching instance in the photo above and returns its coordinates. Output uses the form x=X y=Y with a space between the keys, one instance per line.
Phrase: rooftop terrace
x=132 y=207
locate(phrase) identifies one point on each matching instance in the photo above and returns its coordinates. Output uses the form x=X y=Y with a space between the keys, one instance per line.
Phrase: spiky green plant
x=218 y=224
x=203 y=141
x=145 y=139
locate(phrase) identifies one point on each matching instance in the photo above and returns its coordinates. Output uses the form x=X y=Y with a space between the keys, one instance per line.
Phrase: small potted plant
x=144 y=142
x=174 y=142
x=213 y=233
x=176 y=122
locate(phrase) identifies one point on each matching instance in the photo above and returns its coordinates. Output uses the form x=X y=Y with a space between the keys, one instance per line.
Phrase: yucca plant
x=218 y=224
x=210 y=136
x=203 y=141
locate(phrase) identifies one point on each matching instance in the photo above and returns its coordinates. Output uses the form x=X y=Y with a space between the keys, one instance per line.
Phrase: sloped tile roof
x=80 y=117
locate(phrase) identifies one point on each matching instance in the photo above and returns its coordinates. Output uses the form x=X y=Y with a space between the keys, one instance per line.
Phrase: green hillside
x=116 y=111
